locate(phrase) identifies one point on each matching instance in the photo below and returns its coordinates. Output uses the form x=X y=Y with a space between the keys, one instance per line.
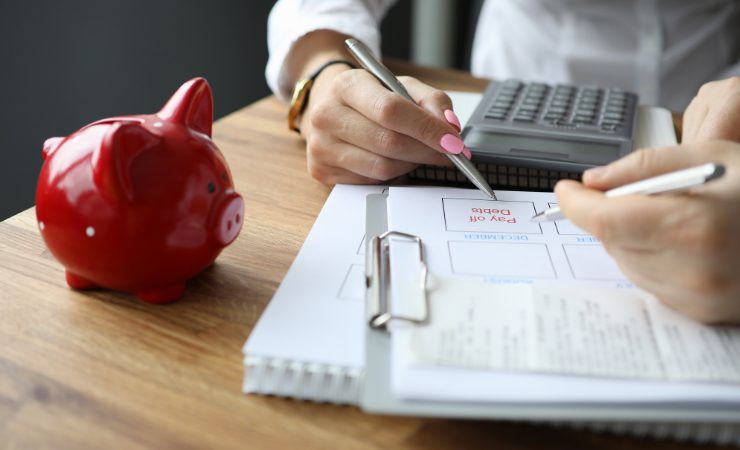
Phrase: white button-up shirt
x=662 y=49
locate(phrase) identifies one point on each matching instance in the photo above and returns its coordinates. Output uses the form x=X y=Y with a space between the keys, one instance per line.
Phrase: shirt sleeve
x=731 y=71
x=289 y=20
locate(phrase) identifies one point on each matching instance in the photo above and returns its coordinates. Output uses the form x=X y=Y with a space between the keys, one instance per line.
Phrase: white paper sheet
x=316 y=313
x=486 y=324
x=467 y=234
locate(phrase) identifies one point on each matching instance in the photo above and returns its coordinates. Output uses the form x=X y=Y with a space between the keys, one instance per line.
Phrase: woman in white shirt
x=685 y=249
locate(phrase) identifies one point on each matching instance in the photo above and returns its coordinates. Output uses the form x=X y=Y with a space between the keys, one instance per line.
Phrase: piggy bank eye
x=211 y=188
x=224 y=177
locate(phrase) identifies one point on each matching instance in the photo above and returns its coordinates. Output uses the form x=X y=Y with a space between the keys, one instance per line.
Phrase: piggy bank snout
x=228 y=219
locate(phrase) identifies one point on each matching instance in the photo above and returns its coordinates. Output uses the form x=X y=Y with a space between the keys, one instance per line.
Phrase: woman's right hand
x=359 y=132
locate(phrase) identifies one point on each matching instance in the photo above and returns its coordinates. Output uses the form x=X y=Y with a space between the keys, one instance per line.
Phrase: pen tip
x=488 y=190
x=539 y=217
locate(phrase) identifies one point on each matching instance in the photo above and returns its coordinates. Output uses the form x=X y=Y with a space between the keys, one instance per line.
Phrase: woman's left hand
x=714 y=113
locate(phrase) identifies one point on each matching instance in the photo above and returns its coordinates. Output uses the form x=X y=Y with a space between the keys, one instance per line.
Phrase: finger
x=721 y=121
x=432 y=99
x=692 y=119
x=331 y=175
x=357 y=160
x=634 y=222
x=352 y=127
x=642 y=164
x=337 y=175
x=362 y=92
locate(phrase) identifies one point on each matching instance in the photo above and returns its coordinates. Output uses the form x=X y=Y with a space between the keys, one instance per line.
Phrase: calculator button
x=583 y=119
x=495 y=116
x=500 y=104
x=508 y=91
x=609 y=126
x=524 y=119
x=526 y=107
x=537 y=90
x=532 y=101
x=585 y=112
x=505 y=98
x=589 y=99
x=559 y=104
x=611 y=123
x=564 y=88
x=614 y=116
x=557 y=109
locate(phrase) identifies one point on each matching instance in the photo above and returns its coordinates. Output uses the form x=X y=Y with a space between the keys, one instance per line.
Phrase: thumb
x=642 y=164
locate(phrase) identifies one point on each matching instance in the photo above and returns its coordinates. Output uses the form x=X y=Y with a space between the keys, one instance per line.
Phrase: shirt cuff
x=366 y=31
x=732 y=71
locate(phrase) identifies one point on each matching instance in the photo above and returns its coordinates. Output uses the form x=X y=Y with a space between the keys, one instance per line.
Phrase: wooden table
x=102 y=370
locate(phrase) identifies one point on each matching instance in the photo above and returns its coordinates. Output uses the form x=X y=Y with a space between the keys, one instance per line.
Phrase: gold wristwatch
x=303 y=88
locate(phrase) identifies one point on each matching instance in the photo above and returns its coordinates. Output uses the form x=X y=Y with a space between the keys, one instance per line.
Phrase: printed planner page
x=466 y=234
x=511 y=299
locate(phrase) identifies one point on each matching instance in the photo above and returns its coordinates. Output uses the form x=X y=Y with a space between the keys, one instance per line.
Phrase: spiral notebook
x=310 y=341
x=506 y=319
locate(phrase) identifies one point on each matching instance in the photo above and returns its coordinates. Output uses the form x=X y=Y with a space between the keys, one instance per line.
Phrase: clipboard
x=706 y=423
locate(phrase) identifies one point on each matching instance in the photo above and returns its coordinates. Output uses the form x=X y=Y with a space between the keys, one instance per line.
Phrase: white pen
x=680 y=180
x=365 y=57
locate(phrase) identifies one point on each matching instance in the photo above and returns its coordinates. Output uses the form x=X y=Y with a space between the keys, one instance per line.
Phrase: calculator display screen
x=532 y=147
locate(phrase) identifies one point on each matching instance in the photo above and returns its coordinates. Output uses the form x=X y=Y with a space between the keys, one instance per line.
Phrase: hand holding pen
x=357 y=131
x=456 y=151
x=683 y=247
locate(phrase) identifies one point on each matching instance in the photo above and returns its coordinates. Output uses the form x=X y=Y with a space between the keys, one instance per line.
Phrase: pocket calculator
x=560 y=128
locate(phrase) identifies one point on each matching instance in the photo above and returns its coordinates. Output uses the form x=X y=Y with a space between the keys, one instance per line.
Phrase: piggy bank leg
x=77 y=282
x=163 y=295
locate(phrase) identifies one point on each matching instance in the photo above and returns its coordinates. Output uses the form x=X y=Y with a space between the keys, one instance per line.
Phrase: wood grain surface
x=99 y=369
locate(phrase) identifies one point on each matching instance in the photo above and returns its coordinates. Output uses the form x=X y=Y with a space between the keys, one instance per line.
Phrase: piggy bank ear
x=50 y=145
x=191 y=105
x=112 y=160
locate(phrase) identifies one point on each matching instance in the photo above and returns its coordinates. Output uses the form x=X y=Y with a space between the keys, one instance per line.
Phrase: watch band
x=303 y=88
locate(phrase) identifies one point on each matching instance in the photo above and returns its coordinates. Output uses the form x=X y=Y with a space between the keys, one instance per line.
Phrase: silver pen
x=364 y=56
x=680 y=180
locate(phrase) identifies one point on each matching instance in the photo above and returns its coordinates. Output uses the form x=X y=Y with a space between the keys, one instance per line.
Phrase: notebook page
x=478 y=335
x=468 y=234
x=316 y=313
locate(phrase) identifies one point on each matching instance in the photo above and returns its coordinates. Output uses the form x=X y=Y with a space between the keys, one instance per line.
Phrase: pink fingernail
x=467 y=153
x=452 y=119
x=452 y=144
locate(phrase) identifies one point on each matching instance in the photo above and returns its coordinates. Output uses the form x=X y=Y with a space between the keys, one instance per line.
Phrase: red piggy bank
x=139 y=204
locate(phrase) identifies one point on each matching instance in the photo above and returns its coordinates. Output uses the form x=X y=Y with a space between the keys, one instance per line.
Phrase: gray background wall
x=66 y=63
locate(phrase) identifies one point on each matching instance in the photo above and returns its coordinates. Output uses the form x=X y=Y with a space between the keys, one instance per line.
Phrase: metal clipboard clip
x=377 y=279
